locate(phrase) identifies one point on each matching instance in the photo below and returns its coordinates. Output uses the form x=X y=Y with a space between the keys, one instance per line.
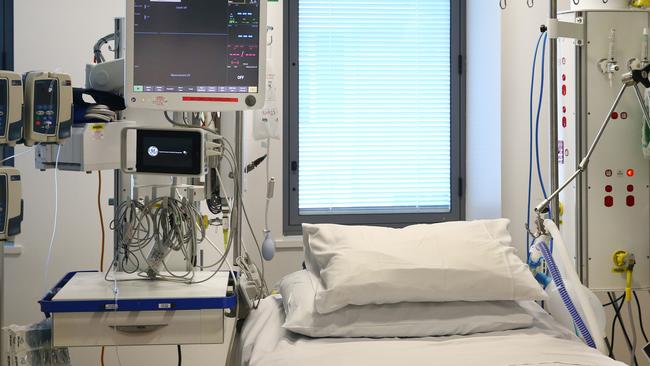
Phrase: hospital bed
x=421 y=295
x=264 y=342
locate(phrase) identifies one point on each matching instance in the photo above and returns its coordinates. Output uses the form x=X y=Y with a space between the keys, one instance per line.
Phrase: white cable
x=634 y=340
x=268 y=244
x=116 y=292
x=268 y=178
x=231 y=204
x=19 y=154
x=56 y=215
x=223 y=188
x=232 y=272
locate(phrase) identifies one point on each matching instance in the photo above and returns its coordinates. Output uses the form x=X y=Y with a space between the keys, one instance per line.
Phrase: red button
x=608 y=188
x=563 y=109
x=564 y=90
x=564 y=122
x=629 y=201
x=609 y=201
x=630 y=188
x=38 y=123
x=614 y=115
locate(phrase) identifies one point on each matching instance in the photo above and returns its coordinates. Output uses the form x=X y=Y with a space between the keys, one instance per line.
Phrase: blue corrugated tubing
x=564 y=294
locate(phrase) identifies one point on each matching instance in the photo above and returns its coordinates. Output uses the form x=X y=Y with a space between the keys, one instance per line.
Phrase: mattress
x=263 y=342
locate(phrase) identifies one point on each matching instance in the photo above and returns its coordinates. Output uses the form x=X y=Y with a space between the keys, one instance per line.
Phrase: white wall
x=483 y=130
x=520 y=30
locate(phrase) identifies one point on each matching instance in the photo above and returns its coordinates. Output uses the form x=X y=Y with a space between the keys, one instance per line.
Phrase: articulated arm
x=631 y=79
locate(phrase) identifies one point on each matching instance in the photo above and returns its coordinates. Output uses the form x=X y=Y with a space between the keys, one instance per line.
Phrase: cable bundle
x=164 y=225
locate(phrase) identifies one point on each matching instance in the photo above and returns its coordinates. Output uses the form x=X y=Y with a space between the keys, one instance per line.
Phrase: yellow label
x=98 y=127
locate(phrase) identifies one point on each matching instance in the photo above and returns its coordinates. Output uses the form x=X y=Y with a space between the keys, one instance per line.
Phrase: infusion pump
x=48 y=107
x=11 y=107
x=11 y=204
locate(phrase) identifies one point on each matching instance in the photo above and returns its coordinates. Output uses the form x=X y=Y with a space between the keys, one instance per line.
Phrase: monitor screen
x=196 y=46
x=169 y=152
x=195 y=55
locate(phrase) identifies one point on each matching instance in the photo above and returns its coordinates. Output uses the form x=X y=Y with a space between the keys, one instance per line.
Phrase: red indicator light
x=564 y=122
x=608 y=189
x=629 y=201
x=564 y=90
x=211 y=99
x=609 y=201
x=563 y=77
x=630 y=172
x=630 y=188
x=563 y=109
x=614 y=115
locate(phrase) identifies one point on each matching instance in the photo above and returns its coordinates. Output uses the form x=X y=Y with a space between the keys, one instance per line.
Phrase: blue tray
x=49 y=306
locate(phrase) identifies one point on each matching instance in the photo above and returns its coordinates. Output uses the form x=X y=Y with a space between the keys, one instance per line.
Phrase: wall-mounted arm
x=630 y=79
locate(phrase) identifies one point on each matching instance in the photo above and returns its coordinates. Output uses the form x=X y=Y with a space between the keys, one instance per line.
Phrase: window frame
x=7 y=56
x=7 y=35
x=292 y=219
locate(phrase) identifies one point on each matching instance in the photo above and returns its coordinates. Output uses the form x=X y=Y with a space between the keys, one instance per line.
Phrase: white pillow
x=393 y=320
x=453 y=261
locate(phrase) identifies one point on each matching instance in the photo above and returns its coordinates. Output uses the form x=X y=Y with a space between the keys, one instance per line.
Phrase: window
x=373 y=112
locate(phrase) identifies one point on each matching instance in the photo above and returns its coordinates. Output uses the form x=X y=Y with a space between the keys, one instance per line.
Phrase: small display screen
x=4 y=101
x=169 y=152
x=3 y=202
x=196 y=46
x=46 y=100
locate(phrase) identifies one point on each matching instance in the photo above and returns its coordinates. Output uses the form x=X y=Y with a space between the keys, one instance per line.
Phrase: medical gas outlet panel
x=608 y=208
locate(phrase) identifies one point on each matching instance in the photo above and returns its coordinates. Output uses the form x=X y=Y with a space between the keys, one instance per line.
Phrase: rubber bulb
x=268 y=246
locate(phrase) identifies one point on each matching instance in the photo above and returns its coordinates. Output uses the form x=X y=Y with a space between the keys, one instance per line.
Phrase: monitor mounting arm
x=630 y=79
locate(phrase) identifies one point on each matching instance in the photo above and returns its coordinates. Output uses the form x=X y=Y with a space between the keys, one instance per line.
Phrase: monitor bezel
x=199 y=102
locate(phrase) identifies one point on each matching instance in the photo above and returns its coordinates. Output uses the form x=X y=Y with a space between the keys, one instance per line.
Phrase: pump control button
x=630 y=201
x=609 y=201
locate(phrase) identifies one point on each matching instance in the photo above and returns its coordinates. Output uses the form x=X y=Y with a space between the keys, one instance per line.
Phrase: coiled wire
x=169 y=222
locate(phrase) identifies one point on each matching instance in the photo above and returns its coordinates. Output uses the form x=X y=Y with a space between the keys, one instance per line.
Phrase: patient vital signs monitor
x=195 y=55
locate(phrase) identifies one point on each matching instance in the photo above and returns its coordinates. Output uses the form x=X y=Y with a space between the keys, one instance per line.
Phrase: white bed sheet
x=263 y=342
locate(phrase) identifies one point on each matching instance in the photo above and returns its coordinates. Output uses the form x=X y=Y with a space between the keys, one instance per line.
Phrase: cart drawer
x=137 y=328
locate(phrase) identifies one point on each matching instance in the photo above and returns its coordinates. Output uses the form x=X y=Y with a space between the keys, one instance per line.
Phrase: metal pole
x=553 y=119
x=4 y=151
x=238 y=214
x=117 y=174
